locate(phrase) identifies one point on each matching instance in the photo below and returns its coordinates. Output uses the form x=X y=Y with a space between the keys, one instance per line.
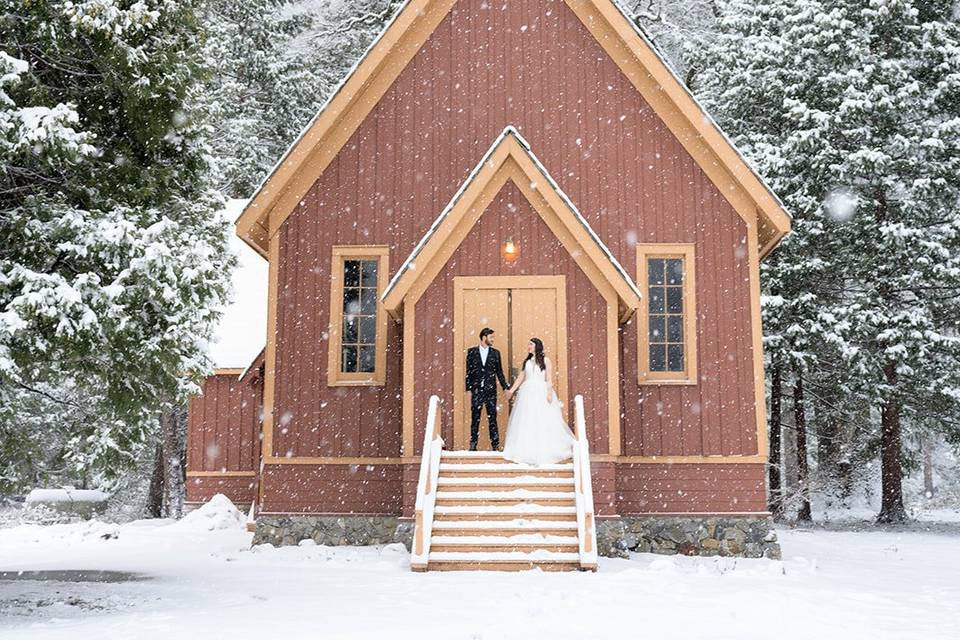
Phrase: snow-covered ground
x=200 y=579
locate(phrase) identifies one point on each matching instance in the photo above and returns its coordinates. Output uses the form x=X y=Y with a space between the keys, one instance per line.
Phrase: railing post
x=426 y=486
x=586 y=528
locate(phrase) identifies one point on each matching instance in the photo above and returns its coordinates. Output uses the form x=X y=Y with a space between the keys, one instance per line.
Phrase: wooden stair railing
x=583 y=487
x=427 y=488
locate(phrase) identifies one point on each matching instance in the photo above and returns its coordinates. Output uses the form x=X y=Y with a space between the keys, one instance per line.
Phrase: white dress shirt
x=483 y=354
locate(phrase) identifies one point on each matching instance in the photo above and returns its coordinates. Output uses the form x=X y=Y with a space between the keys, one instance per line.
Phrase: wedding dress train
x=537 y=434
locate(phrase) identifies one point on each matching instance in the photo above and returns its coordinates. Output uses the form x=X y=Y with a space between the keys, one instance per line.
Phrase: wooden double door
x=517 y=308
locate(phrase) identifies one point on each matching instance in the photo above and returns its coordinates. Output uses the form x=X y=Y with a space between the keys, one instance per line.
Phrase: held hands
x=509 y=394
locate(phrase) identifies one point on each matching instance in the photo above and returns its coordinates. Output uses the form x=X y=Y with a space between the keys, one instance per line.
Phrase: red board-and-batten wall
x=223 y=436
x=531 y=64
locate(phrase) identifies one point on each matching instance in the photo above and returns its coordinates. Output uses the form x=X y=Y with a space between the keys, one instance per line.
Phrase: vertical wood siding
x=223 y=434
x=223 y=426
x=686 y=488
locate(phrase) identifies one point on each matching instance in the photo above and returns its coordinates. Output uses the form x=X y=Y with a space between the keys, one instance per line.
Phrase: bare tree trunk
x=155 y=494
x=803 y=472
x=173 y=468
x=891 y=468
x=776 y=432
x=928 y=488
x=829 y=427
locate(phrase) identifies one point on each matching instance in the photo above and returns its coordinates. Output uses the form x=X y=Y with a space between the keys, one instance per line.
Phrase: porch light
x=510 y=251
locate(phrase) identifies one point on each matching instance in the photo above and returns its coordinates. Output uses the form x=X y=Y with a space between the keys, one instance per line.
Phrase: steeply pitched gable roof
x=412 y=26
x=510 y=158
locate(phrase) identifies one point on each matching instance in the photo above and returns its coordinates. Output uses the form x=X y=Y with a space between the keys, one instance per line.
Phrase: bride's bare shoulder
x=546 y=360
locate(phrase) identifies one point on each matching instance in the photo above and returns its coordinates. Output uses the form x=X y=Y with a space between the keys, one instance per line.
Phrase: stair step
x=505 y=471
x=503 y=466
x=506 y=495
x=536 y=557
x=505 y=512
x=466 y=457
x=504 y=527
x=508 y=483
x=533 y=540
x=504 y=548
x=512 y=504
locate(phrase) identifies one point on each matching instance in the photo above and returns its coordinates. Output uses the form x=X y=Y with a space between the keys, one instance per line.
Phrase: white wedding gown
x=536 y=432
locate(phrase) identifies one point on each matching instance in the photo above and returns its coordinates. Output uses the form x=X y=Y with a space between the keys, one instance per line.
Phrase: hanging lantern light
x=510 y=251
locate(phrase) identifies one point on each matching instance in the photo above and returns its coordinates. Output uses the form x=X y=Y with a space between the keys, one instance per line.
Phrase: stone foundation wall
x=742 y=536
x=280 y=530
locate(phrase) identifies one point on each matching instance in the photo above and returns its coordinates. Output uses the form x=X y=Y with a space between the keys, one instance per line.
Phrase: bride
x=536 y=432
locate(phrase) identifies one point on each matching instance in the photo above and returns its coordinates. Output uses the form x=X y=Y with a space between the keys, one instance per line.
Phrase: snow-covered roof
x=242 y=331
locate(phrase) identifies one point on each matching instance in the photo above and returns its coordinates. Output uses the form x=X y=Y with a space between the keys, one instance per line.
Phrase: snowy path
x=208 y=584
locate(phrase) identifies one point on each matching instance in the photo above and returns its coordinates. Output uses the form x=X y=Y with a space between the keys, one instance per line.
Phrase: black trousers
x=476 y=405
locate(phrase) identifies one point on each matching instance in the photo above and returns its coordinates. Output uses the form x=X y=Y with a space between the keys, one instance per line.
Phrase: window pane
x=351 y=273
x=675 y=329
x=675 y=357
x=675 y=299
x=368 y=305
x=657 y=357
x=350 y=330
x=675 y=271
x=351 y=303
x=349 y=360
x=370 y=273
x=655 y=271
x=656 y=328
x=368 y=330
x=368 y=359
x=656 y=300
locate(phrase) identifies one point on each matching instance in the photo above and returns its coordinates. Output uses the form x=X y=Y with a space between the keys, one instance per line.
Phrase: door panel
x=481 y=308
x=517 y=308
x=534 y=315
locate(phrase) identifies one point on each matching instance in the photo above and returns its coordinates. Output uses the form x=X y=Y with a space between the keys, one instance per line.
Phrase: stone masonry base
x=328 y=530
x=722 y=535
x=748 y=536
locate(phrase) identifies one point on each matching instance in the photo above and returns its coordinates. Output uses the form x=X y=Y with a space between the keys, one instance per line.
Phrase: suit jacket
x=482 y=378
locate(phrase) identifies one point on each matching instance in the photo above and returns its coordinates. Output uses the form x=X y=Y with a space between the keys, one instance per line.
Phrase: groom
x=484 y=369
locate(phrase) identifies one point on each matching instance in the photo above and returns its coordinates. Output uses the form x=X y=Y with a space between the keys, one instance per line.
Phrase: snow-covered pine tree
x=852 y=109
x=675 y=26
x=111 y=255
x=274 y=62
x=257 y=103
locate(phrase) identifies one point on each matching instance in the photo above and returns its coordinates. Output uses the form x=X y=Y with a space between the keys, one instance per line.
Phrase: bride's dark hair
x=537 y=354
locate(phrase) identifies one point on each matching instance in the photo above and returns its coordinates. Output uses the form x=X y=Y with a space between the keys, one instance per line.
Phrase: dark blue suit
x=481 y=382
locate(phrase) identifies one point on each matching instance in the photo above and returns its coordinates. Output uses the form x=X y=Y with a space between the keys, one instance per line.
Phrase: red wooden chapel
x=536 y=167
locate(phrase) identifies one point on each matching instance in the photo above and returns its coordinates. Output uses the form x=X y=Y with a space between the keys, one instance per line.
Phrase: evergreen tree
x=112 y=257
x=274 y=63
x=851 y=108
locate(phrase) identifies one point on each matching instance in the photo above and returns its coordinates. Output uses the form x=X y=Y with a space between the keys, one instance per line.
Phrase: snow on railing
x=583 y=484
x=427 y=488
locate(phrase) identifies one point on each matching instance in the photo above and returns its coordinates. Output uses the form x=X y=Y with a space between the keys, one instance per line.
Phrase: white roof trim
x=510 y=130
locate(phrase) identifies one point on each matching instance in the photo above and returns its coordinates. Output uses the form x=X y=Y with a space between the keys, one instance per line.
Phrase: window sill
x=666 y=382
x=356 y=383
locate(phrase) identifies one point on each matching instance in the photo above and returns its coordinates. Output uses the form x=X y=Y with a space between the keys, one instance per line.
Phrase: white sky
x=242 y=331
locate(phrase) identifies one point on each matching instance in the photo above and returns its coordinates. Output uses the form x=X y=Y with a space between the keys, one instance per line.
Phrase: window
x=358 y=325
x=667 y=341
